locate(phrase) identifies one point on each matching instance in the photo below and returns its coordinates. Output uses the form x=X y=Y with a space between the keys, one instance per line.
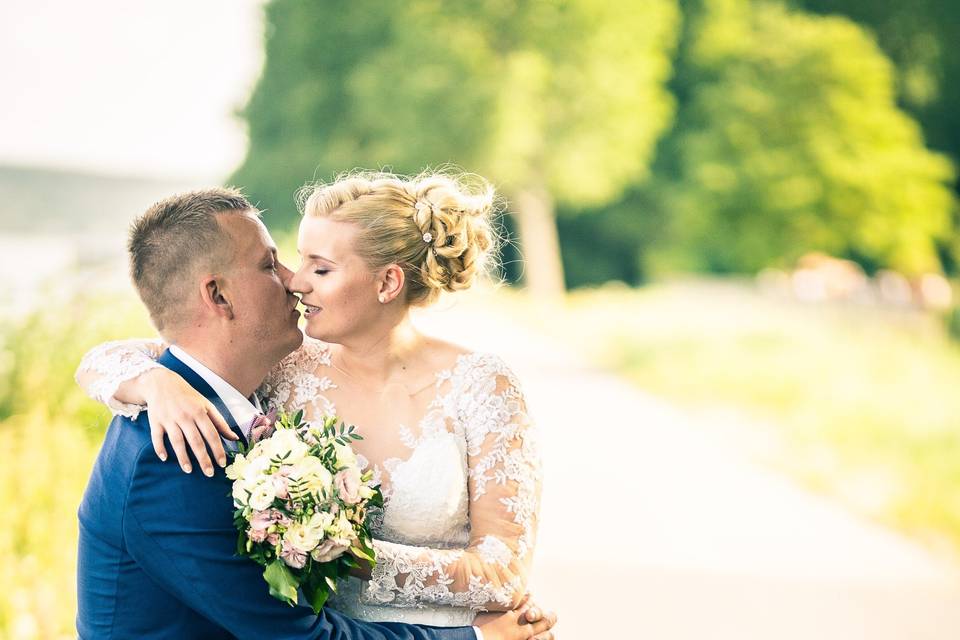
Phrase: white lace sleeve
x=505 y=477
x=107 y=366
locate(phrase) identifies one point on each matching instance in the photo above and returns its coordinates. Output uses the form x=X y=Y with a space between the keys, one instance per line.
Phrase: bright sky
x=137 y=88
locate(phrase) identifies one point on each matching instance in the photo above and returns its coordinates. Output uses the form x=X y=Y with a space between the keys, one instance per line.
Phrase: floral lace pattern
x=458 y=526
x=107 y=366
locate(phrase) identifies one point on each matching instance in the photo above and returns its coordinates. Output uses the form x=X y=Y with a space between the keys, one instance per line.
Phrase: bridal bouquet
x=301 y=503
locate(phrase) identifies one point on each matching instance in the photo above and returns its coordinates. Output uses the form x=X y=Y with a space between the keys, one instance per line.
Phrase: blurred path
x=697 y=541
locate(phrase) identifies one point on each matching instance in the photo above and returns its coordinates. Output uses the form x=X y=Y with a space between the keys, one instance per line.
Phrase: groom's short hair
x=172 y=239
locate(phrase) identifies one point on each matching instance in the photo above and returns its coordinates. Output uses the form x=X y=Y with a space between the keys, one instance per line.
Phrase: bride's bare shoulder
x=442 y=354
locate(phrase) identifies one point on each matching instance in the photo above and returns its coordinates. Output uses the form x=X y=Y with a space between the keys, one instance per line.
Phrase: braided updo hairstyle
x=435 y=226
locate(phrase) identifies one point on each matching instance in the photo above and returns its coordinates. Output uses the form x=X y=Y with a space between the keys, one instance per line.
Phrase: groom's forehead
x=246 y=230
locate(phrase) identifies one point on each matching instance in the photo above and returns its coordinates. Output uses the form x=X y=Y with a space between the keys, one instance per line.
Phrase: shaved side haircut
x=172 y=240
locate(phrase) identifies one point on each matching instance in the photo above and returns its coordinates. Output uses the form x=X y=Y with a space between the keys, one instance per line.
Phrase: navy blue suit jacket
x=156 y=556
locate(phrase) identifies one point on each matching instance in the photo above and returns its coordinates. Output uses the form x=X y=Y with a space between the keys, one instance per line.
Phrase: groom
x=156 y=556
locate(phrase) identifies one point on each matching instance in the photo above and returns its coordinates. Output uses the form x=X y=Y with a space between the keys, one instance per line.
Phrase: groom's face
x=264 y=311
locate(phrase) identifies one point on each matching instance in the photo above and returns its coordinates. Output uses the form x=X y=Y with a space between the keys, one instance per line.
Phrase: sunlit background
x=731 y=272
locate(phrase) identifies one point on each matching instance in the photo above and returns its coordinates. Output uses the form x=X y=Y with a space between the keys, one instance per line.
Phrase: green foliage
x=51 y=434
x=570 y=95
x=790 y=141
x=283 y=585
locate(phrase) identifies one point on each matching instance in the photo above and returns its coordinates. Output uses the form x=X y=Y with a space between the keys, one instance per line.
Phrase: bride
x=446 y=430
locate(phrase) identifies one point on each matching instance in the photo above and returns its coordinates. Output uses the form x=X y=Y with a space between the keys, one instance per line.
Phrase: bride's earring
x=382 y=299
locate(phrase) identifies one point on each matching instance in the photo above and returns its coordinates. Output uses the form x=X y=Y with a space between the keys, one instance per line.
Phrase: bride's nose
x=297 y=283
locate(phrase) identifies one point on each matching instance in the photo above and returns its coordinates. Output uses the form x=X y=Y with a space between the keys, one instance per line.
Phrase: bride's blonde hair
x=437 y=226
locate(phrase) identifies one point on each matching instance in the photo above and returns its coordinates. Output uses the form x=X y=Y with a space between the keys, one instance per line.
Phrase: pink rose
x=327 y=550
x=259 y=523
x=348 y=485
x=263 y=520
x=257 y=535
x=292 y=556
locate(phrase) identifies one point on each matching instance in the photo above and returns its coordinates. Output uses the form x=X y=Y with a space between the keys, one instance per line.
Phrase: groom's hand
x=178 y=411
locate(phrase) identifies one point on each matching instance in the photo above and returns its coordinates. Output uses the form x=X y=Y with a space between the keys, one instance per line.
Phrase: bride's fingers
x=543 y=625
x=156 y=435
x=179 y=448
x=212 y=437
x=220 y=424
x=192 y=435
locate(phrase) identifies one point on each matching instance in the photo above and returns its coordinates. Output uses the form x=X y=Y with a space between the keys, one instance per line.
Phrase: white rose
x=345 y=456
x=286 y=445
x=235 y=469
x=345 y=529
x=310 y=473
x=240 y=494
x=255 y=470
x=303 y=537
x=262 y=496
x=321 y=520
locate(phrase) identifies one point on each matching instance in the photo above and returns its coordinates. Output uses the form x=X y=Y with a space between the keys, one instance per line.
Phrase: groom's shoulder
x=127 y=447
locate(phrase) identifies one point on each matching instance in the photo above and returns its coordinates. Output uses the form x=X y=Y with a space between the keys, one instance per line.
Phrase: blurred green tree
x=555 y=102
x=919 y=37
x=789 y=140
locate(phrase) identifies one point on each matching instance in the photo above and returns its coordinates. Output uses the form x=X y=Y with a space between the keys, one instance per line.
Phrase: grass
x=50 y=434
x=863 y=402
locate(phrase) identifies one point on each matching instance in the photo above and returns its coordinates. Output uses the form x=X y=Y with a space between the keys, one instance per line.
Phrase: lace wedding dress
x=456 y=533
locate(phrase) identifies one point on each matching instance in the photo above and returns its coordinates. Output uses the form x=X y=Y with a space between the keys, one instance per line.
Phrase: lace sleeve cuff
x=105 y=367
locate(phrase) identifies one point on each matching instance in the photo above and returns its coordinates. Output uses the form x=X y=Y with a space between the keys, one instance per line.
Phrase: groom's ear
x=214 y=297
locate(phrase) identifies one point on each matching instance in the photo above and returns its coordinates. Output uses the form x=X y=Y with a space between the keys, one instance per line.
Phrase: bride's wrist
x=145 y=388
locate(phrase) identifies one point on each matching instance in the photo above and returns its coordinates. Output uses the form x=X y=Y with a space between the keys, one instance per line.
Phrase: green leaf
x=357 y=551
x=332 y=582
x=283 y=584
x=242 y=543
x=316 y=594
x=298 y=417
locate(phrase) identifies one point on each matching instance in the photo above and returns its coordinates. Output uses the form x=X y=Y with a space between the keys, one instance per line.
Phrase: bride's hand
x=186 y=417
x=525 y=622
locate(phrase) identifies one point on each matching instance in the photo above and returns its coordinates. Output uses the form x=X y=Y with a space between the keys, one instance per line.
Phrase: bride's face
x=338 y=290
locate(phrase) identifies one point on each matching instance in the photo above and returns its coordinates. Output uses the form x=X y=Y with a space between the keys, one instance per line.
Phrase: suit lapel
x=193 y=378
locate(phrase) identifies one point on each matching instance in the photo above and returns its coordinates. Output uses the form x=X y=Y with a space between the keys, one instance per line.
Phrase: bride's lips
x=309 y=309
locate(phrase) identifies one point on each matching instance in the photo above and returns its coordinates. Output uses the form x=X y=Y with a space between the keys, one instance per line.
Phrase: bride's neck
x=379 y=356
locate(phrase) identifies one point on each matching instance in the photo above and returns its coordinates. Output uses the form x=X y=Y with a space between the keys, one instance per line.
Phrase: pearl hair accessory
x=427 y=237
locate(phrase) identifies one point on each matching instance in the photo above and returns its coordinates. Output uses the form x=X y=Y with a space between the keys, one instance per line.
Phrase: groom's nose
x=285 y=275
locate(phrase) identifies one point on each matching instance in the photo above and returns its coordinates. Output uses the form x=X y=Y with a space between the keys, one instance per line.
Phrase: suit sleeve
x=179 y=528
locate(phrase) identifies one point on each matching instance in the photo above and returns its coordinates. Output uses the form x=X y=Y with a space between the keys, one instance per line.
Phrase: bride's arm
x=491 y=573
x=124 y=375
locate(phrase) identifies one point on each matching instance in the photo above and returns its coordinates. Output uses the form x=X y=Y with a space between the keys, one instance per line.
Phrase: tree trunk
x=539 y=242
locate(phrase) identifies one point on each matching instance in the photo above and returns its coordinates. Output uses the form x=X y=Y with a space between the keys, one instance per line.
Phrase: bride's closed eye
x=321 y=272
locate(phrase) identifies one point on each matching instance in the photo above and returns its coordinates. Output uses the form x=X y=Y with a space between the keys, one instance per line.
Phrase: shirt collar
x=240 y=407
